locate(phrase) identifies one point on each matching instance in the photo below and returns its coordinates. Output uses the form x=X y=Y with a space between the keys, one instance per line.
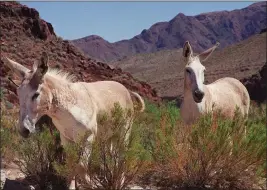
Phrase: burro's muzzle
x=25 y=133
x=27 y=126
x=198 y=95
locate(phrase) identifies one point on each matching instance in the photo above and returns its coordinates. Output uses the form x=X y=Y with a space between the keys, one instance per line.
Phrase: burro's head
x=34 y=96
x=194 y=70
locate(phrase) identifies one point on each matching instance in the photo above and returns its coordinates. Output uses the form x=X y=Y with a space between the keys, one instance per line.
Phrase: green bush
x=8 y=132
x=161 y=151
x=108 y=168
x=35 y=157
x=213 y=153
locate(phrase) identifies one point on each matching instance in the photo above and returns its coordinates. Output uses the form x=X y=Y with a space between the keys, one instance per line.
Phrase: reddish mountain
x=24 y=36
x=202 y=31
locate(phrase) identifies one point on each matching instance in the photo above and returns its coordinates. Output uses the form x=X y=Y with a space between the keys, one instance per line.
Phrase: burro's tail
x=141 y=103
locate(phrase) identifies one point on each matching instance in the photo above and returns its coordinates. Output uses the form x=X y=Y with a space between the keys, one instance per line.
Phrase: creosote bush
x=213 y=153
x=117 y=155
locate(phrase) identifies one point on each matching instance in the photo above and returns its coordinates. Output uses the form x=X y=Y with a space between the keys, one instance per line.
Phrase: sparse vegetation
x=34 y=156
x=108 y=168
x=161 y=152
x=204 y=157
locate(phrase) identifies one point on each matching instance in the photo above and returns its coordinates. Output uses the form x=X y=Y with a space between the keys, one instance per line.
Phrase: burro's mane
x=61 y=75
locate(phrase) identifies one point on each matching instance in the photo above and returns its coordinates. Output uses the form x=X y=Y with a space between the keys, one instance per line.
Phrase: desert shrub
x=8 y=131
x=161 y=151
x=106 y=167
x=202 y=156
x=35 y=157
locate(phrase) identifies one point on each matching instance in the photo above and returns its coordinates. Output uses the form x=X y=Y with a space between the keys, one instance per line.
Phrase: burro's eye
x=36 y=94
x=188 y=70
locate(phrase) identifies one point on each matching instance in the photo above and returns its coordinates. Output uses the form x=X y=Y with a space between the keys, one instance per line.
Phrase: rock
x=257 y=85
x=40 y=29
x=16 y=185
x=3 y=178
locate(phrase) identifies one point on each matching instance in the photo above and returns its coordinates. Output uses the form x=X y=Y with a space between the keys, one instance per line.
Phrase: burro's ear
x=41 y=67
x=18 y=69
x=205 y=55
x=187 y=50
x=39 y=70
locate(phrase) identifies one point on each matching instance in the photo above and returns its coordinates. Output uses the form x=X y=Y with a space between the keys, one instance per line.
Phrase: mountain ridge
x=203 y=30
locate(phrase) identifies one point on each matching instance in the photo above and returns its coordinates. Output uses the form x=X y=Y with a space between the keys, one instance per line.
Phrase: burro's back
x=104 y=94
x=228 y=94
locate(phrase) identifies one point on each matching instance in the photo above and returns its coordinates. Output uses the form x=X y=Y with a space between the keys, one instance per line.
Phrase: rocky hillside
x=227 y=27
x=164 y=70
x=257 y=84
x=24 y=36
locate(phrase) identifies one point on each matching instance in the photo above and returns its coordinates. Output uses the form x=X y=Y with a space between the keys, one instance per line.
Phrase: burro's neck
x=190 y=110
x=69 y=116
x=63 y=99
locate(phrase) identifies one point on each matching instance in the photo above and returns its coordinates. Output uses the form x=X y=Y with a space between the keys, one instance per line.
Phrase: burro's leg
x=64 y=142
x=83 y=163
x=81 y=168
x=125 y=133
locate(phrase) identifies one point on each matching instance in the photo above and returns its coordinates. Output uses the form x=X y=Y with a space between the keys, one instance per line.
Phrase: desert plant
x=8 y=131
x=35 y=157
x=160 y=151
x=202 y=156
x=106 y=167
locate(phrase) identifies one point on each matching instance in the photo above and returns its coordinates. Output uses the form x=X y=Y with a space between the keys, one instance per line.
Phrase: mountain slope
x=227 y=27
x=164 y=70
x=24 y=36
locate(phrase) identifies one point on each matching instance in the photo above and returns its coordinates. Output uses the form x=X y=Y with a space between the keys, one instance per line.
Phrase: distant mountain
x=245 y=61
x=227 y=27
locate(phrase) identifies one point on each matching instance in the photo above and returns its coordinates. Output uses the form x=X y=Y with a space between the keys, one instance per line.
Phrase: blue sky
x=116 y=21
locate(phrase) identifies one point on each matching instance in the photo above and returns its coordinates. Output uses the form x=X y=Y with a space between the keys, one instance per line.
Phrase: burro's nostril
x=24 y=132
x=199 y=94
